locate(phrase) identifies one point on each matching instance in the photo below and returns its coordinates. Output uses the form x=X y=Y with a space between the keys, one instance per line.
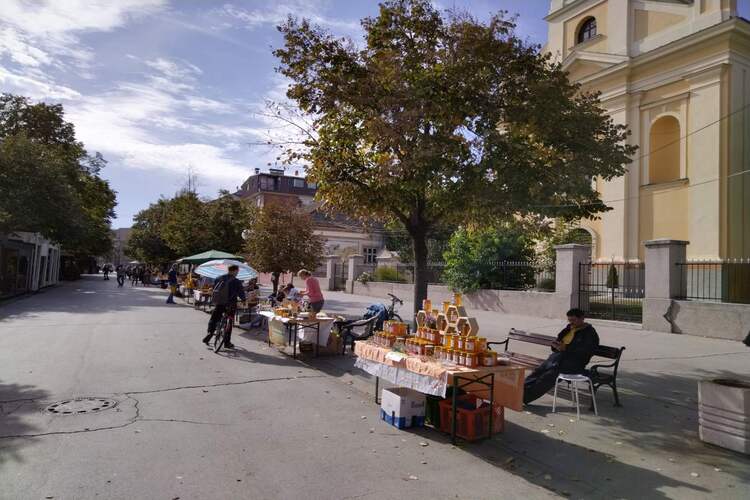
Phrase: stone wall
x=547 y=305
x=705 y=319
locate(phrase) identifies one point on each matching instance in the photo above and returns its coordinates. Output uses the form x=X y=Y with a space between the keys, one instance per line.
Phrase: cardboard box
x=402 y=407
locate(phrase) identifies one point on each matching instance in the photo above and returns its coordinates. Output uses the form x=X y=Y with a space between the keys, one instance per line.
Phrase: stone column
x=663 y=283
x=567 y=269
x=354 y=262
x=330 y=272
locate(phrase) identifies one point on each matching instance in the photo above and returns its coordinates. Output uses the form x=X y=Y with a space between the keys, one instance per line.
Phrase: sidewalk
x=649 y=448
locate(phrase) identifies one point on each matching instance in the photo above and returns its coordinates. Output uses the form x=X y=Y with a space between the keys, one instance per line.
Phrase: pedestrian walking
x=106 y=272
x=120 y=275
x=172 y=282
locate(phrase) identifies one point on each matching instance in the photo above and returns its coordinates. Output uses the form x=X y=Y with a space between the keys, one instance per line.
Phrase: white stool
x=573 y=380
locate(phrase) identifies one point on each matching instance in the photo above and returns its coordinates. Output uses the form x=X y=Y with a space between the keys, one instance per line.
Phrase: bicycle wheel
x=219 y=335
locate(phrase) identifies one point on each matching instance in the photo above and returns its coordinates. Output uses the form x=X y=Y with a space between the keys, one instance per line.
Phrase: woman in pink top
x=312 y=290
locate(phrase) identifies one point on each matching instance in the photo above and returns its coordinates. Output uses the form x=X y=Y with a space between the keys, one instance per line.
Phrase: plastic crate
x=472 y=416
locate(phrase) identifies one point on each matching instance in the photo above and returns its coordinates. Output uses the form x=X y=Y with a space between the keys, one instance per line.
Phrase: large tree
x=281 y=240
x=186 y=225
x=48 y=181
x=442 y=119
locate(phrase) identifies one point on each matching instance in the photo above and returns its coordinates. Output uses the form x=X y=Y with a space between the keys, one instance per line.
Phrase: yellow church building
x=677 y=73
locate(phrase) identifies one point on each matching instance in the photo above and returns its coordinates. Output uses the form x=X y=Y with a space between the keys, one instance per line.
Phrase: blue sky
x=160 y=87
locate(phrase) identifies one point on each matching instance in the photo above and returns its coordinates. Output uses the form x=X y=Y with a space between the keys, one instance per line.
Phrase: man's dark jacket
x=235 y=287
x=578 y=353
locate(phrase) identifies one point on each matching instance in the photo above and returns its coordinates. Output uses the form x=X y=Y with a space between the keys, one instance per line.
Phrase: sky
x=166 y=87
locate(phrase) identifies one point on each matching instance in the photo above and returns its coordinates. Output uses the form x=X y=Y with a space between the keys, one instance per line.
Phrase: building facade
x=340 y=234
x=677 y=73
x=28 y=262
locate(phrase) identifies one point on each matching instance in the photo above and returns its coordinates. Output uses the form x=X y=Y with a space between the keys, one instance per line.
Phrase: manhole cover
x=81 y=405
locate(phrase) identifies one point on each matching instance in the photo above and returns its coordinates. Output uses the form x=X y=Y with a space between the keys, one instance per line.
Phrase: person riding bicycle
x=227 y=289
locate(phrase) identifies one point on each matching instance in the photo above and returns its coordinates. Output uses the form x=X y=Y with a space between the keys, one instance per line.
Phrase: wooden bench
x=597 y=377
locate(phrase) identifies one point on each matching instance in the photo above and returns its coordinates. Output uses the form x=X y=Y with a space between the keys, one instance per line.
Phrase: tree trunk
x=419 y=241
x=275 y=282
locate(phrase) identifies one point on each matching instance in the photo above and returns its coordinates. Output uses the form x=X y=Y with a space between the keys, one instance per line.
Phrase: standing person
x=312 y=290
x=573 y=350
x=134 y=276
x=146 y=277
x=120 y=275
x=227 y=289
x=172 y=282
x=106 y=272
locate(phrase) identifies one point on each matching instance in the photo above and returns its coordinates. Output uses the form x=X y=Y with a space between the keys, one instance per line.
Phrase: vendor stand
x=285 y=330
x=426 y=363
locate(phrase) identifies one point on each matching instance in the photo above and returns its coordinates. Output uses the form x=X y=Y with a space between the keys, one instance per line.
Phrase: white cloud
x=36 y=86
x=277 y=13
x=45 y=32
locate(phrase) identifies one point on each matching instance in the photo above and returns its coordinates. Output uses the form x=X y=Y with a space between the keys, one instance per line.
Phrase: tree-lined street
x=256 y=424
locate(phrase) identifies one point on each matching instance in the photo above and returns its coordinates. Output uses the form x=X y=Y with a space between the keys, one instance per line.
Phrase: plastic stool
x=573 y=380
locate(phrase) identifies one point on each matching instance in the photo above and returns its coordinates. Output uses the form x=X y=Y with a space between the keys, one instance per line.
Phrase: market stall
x=287 y=329
x=446 y=353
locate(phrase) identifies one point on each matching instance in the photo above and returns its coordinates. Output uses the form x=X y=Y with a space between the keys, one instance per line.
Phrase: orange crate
x=472 y=423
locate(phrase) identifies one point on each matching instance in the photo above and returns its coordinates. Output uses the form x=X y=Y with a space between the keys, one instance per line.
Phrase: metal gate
x=340 y=275
x=611 y=291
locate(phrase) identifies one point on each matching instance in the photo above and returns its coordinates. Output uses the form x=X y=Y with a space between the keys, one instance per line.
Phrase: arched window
x=587 y=31
x=664 y=150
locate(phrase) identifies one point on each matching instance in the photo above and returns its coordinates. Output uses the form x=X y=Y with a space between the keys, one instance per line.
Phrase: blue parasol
x=217 y=268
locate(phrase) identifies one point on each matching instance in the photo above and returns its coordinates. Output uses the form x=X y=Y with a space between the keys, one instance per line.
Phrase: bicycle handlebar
x=395 y=299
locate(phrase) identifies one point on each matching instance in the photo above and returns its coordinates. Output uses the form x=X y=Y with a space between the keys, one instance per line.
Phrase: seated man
x=571 y=353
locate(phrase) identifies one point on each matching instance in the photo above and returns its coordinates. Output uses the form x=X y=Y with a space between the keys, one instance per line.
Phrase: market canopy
x=217 y=268
x=202 y=258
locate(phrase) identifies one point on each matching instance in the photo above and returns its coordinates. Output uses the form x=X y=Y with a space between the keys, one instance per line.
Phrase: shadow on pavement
x=15 y=402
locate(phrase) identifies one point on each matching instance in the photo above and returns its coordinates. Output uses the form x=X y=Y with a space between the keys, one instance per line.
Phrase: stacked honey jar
x=452 y=335
x=391 y=333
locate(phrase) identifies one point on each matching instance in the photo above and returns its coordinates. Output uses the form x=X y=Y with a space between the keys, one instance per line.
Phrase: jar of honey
x=462 y=358
x=471 y=359
x=446 y=305
x=427 y=305
x=489 y=358
x=457 y=299
x=481 y=344
x=471 y=344
x=460 y=342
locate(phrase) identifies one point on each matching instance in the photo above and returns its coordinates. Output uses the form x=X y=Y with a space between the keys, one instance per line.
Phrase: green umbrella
x=201 y=258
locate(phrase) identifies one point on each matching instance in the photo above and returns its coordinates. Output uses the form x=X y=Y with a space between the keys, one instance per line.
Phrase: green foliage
x=48 y=182
x=474 y=259
x=388 y=274
x=186 y=225
x=281 y=240
x=562 y=233
x=405 y=129
x=613 y=280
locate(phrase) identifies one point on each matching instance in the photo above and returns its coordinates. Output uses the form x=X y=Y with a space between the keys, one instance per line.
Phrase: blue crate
x=402 y=422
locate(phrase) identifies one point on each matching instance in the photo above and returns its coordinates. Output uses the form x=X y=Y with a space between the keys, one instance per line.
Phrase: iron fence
x=340 y=275
x=612 y=290
x=715 y=281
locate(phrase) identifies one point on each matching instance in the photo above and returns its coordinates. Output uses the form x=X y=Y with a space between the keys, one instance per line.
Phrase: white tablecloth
x=404 y=378
x=278 y=323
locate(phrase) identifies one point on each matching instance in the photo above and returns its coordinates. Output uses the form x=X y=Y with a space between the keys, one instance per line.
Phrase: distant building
x=275 y=186
x=341 y=235
x=120 y=239
x=28 y=262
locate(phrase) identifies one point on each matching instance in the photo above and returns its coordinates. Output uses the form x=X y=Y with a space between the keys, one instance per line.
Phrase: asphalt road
x=186 y=423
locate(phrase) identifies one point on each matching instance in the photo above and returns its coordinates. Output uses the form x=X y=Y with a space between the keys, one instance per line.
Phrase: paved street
x=191 y=424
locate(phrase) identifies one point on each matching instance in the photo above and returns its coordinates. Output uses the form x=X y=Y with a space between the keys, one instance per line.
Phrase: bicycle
x=392 y=315
x=224 y=328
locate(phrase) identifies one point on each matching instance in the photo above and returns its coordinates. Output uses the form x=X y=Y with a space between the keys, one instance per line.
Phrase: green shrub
x=389 y=274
